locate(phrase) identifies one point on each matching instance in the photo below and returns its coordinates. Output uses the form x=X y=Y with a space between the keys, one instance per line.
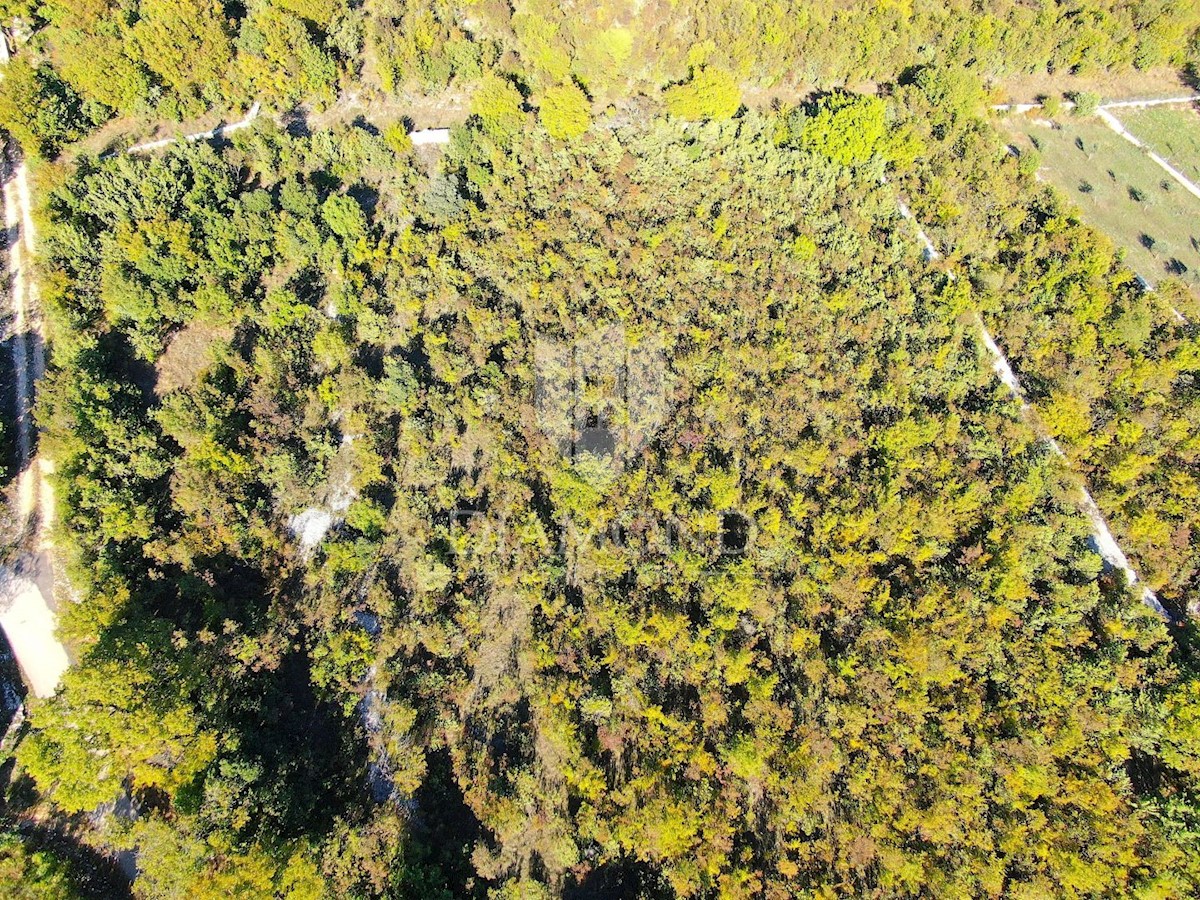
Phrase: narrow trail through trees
x=217 y=132
x=419 y=138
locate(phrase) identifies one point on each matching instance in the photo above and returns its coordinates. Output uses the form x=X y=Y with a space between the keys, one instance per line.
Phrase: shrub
x=1086 y=103
x=498 y=106
x=1051 y=105
x=847 y=128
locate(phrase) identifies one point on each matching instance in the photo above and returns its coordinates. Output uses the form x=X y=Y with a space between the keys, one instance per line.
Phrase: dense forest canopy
x=615 y=502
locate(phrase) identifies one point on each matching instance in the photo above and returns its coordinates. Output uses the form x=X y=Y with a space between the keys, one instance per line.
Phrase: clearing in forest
x=1173 y=132
x=1120 y=191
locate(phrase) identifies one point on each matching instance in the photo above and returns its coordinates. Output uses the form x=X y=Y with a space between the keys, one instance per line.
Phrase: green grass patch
x=1120 y=191
x=1173 y=132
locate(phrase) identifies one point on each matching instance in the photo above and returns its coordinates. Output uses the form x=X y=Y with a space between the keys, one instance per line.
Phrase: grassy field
x=1120 y=192
x=1173 y=132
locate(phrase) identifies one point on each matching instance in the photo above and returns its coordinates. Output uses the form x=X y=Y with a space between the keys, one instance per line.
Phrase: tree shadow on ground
x=9 y=409
x=91 y=873
x=444 y=831
x=628 y=879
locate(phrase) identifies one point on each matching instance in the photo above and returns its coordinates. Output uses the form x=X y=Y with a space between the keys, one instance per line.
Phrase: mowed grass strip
x=1119 y=191
x=1173 y=132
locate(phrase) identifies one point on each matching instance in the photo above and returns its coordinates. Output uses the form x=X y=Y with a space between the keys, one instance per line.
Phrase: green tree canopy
x=120 y=721
x=38 y=108
x=498 y=105
x=186 y=43
x=847 y=128
x=565 y=111
x=711 y=93
x=27 y=874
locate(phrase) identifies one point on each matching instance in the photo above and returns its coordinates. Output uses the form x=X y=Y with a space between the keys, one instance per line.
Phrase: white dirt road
x=27 y=611
x=423 y=137
x=201 y=135
x=1113 y=123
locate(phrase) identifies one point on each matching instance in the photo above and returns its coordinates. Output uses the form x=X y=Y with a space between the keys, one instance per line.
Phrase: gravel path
x=419 y=138
x=219 y=131
x=1103 y=112
x=1111 y=121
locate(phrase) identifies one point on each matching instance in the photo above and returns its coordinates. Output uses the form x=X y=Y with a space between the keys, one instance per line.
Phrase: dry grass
x=1119 y=191
x=1129 y=85
x=188 y=355
x=1173 y=132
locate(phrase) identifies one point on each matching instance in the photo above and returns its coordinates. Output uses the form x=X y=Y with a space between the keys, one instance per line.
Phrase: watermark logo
x=602 y=396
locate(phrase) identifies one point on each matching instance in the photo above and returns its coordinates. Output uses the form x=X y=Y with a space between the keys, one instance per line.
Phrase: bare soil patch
x=188 y=355
x=1162 y=82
